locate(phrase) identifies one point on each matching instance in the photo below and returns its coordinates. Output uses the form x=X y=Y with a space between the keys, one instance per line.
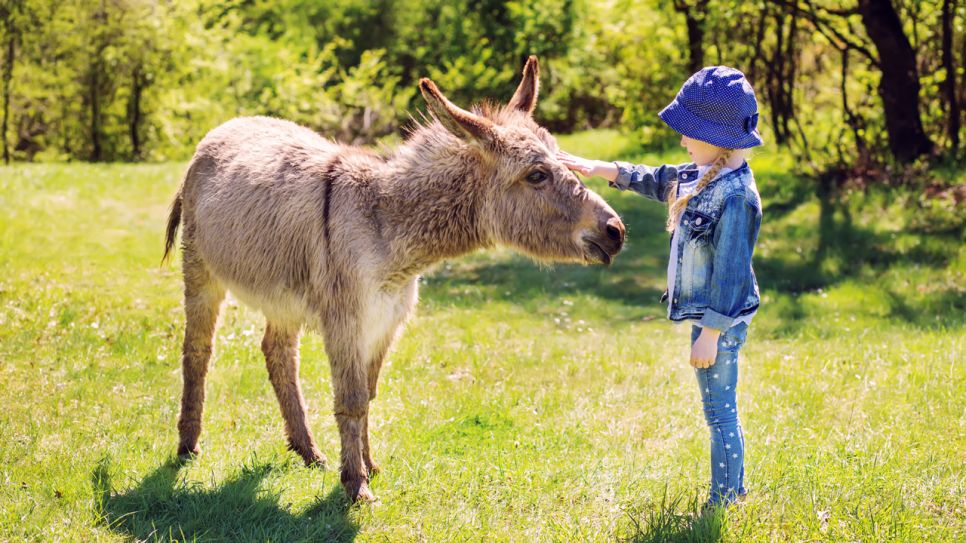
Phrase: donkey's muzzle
x=607 y=241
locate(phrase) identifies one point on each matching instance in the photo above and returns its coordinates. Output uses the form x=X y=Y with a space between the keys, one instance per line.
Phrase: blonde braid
x=677 y=205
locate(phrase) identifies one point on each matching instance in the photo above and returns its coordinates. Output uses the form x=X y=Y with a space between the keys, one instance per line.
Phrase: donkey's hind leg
x=281 y=348
x=203 y=295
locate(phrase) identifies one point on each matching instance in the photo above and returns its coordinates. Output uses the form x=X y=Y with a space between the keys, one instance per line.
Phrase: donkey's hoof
x=311 y=455
x=315 y=460
x=186 y=453
x=360 y=493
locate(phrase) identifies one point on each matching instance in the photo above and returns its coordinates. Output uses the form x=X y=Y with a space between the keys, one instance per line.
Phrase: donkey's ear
x=525 y=98
x=460 y=122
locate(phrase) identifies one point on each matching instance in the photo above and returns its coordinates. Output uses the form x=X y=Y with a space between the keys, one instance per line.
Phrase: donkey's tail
x=174 y=220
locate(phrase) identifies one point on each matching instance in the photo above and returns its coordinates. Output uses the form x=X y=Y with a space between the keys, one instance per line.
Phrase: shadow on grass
x=163 y=507
x=852 y=248
x=846 y=251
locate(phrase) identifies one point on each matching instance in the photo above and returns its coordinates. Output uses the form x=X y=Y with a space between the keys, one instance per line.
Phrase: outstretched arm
x=649 y=181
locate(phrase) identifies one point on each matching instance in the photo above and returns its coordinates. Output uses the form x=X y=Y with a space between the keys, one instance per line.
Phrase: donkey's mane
x=499 y=113
x=505 y=115
x=427 y=131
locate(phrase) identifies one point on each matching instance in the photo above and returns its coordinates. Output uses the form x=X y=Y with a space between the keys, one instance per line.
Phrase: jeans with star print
x=718 y=385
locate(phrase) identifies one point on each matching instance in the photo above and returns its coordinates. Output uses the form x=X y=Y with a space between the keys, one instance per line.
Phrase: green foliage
x=91 y=75
x=145 y=79
x=649 y=50
x=521 y=404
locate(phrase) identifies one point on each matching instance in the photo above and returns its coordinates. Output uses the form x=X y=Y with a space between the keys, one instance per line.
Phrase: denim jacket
x=714 y=282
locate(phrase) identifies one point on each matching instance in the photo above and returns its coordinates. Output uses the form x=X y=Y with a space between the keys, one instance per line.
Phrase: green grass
x=522 y=404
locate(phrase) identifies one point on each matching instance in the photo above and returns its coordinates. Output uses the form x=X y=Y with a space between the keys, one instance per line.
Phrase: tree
x=97 y=80
x=145 y=79
x=949 y=84
x=694 y=15
x=779 y=65
x=899 y=86
x=12 y=19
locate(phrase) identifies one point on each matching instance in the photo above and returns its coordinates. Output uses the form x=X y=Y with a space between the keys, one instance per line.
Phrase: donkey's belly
x=281 y=306
x=381 y=313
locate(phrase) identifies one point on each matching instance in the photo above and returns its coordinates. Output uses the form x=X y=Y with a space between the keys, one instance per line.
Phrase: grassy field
x=522 y=404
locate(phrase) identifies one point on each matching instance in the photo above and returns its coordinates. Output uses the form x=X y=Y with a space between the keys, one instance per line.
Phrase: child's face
x=701 y=153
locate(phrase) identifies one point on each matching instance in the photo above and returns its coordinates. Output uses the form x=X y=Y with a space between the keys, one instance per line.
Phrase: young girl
x=714 y=213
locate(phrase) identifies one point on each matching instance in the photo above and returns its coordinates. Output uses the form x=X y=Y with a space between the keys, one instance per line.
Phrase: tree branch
x=836 y=38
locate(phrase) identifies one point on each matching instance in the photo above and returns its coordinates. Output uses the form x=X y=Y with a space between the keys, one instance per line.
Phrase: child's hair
x=675 y=205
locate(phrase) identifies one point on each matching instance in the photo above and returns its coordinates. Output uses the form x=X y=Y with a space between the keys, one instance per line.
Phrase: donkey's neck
x=432 y=193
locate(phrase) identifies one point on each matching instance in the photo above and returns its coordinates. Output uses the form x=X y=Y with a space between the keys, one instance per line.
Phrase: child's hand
x=576 y=163
x=588 y=167
x=705 y=349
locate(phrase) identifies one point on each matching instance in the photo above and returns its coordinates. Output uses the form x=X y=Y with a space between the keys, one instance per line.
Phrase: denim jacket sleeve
x=734 y=242
x=649 y=181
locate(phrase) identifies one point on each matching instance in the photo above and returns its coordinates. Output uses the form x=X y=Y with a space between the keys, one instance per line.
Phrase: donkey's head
x=531 y=201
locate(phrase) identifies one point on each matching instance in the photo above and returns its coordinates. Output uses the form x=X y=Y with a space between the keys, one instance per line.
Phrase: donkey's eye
x=537 y=177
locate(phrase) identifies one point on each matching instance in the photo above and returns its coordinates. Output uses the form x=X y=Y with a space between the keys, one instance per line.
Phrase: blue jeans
x=718 y=385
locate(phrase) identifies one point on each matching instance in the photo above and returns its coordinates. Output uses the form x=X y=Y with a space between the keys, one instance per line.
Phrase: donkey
x=333 y=238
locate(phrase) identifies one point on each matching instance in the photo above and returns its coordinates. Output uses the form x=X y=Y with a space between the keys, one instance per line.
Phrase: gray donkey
x=333 y=237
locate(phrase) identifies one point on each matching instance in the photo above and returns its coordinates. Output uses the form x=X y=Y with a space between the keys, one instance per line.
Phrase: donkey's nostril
x=615 y=230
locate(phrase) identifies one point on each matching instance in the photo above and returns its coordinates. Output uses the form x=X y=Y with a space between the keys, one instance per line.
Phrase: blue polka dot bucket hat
x=716 y=105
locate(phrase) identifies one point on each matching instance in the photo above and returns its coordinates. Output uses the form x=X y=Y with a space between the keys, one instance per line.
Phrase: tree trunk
x=10 y=47
x=95 y=70
x=854 y=122
x=899 y=86
x=788 y=91
x=695 y=43
x=757 y=54
x=780 y=68
x=7 y=76
x=134 y=111
x=95 y=127
x=949 y=85
x=774 y=80
x=962 y=80
x=694 y=17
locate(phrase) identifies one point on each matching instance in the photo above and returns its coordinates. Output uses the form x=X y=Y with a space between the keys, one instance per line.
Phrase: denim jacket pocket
x=699 y=227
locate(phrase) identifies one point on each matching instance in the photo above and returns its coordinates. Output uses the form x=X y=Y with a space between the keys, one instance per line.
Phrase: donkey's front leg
x=350 y=385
